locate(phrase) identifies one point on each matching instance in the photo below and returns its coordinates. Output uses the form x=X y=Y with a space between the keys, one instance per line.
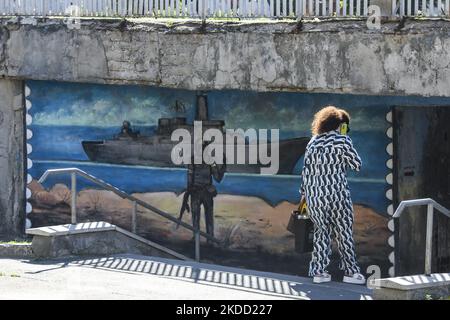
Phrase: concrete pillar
x=12 y=160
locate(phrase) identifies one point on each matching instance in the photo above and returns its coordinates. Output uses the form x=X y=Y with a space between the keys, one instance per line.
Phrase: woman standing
x=328 y=156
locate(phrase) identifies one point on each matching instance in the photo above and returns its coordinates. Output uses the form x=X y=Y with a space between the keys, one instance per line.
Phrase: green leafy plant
x=435 y=297
x=15 y=242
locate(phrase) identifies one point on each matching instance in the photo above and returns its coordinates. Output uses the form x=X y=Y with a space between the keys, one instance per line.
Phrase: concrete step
x=93 y=238
x=414 y=287
x=16 y=250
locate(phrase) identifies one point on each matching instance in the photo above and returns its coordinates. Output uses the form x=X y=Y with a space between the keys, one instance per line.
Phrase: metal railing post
x=203 y=10
x=197 y=246
x=431 y=205
x=73 y=202
x=393 y=8
x=133 y=217
x=429 y=239
x=135 y=202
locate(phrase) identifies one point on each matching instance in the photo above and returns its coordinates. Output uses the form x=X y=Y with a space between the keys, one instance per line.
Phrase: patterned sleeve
x=302 y=187
x=351 y=156
x=302 y=175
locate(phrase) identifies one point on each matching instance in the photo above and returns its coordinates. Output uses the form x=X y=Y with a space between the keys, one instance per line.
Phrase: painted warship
x=156 y=150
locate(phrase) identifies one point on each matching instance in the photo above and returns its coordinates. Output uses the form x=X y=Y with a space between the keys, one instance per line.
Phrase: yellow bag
x=303 y=208
x=302 y=227
x=300 y=213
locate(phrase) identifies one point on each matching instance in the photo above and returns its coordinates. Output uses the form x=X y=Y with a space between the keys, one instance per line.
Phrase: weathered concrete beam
x=409 y=57
x=12 y=146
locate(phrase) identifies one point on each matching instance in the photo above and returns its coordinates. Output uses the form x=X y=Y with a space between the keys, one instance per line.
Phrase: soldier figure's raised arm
x=218 y=170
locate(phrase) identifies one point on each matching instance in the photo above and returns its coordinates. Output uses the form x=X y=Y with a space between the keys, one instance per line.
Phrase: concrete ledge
x=66 y=229
x=416 y=287
x=277 y=55
x=17 y=250
x=93 y=238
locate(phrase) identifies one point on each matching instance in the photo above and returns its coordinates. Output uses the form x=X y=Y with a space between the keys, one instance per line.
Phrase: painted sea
x=60 y=147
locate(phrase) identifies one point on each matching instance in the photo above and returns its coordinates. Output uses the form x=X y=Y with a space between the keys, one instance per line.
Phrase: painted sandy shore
x=248 y=225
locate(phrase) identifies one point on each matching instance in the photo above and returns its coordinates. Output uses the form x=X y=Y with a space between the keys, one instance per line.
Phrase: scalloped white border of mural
x=389 y=193
x=29 y=135
x=389 y=176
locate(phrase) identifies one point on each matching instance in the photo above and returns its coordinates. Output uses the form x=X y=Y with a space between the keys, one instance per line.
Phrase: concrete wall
x=12 y=172
x=406 y=58
x=410 y=58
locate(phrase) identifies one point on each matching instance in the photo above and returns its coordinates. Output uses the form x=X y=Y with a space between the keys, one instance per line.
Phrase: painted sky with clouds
x=59 y=104
x=108 y=105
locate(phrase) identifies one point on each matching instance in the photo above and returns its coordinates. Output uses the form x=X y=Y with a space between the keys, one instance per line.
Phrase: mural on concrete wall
x=121 y=134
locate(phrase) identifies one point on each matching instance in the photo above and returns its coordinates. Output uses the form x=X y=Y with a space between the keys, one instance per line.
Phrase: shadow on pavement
x=273 y=284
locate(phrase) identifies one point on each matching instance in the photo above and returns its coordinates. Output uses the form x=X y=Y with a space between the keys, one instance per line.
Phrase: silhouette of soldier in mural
x=200 y=187
x=201 y=190
x=126 y=130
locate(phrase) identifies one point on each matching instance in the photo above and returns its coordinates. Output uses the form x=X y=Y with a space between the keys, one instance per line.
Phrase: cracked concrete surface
x=339 y=56
x=12 y=186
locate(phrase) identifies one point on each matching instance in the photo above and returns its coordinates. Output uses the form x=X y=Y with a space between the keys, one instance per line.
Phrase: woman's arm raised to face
x=351 y=156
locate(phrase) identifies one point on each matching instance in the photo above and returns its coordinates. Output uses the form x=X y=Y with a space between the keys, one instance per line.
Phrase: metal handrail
x=75 y=171
x=431 y=205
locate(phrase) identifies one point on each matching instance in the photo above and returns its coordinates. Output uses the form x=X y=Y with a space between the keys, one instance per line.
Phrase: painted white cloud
x=105 y=112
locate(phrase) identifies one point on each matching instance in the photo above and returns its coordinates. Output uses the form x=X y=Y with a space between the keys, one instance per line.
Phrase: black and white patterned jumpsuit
x=327 y=158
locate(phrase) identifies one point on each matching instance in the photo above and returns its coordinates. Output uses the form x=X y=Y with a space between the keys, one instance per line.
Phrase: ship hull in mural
x=156 y=152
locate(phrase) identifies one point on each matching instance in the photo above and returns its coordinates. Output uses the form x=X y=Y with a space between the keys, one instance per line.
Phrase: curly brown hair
x=328 y=118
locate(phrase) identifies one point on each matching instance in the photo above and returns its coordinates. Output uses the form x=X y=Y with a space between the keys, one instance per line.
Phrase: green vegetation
x=12 y=275
x=15 y=242
x=436 y=297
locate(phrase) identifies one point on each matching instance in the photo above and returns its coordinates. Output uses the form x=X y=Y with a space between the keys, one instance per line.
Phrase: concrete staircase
x=93 y=238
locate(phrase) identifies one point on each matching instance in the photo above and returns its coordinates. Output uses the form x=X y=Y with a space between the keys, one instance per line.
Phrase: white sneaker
x=322 y=277
x=356 y=278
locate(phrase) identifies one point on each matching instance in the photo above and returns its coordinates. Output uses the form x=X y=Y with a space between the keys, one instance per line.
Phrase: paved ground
x=139 y=277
